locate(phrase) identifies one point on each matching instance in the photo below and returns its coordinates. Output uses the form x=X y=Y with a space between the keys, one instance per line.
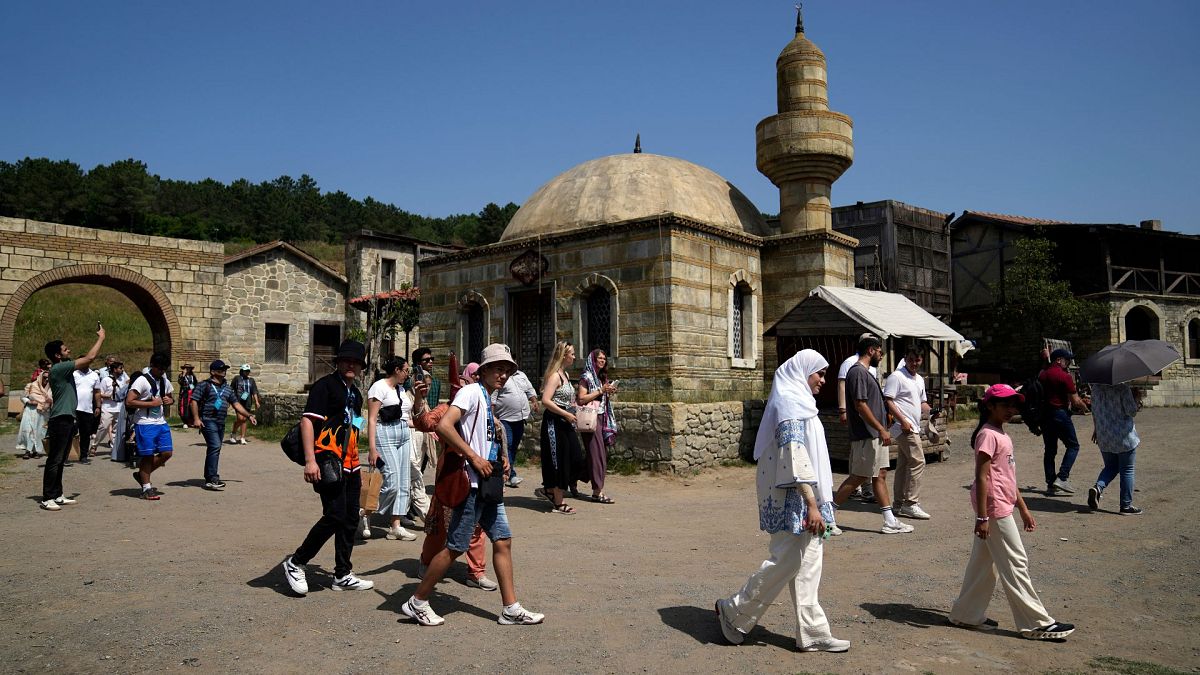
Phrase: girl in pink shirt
x=998 y=550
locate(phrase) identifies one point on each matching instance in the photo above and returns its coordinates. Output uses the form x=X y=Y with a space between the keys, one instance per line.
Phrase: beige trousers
x=796 y=561
x=418 y=498
x=910 y=464
x=104 y=432
x=1003 y=554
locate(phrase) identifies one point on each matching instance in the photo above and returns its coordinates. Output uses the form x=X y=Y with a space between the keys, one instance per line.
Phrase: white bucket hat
x=496 y=353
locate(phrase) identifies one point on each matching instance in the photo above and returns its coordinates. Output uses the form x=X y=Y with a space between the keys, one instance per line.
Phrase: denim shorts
x=152 y=439
x=490 y=517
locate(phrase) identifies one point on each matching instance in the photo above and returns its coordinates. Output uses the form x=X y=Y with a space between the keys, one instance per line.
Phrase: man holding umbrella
x=1061 y=398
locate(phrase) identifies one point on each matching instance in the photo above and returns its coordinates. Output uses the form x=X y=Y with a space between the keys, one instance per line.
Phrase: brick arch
x=145 y=293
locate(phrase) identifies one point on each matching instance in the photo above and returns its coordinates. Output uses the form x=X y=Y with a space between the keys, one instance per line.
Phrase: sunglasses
x=427 y=359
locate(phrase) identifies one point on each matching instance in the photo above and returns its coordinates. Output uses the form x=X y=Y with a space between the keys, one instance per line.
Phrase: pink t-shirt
x=1002 y=491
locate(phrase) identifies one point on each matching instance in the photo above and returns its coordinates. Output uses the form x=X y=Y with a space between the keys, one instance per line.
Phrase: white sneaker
x=422 y=615
x=482 y=583
x=898 y=528
x=65 y=500
x=400 y=533
x=834 y=530
x=50 y=505
x=515 y=481
x=295 y=576
x=521 y=617
x=731 y=633
x=1063 y=486
x=914 y=511
x=829 y=644
x=352 y=583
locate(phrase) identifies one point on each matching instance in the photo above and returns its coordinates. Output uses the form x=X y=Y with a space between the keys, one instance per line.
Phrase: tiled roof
x=1016 y=220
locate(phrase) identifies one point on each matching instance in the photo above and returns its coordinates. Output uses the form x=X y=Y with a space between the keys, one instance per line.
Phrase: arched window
x=1141 y=323
x=742 y=321
x=476 y=332
x=738 y=321
x=1193 y=341
x=597 y=319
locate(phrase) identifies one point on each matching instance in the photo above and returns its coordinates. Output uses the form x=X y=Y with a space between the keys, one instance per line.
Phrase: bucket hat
x=352 y=350
x=496 y=353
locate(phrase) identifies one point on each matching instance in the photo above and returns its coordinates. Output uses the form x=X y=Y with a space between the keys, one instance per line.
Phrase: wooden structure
x=901 y=249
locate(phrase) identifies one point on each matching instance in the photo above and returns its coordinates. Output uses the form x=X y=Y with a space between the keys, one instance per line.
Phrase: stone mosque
x=666 y=266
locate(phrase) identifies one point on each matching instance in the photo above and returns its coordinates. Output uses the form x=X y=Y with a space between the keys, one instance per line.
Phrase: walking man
x=1061 y=397
x=246 y=390
x=87 y=412
x=469 y=429
x=150 y=397
x=869 y=439
x=111 y=404
x=329 y=429
x=904 y=394
x=512 y=405
x=210 y=403
x=62 y=416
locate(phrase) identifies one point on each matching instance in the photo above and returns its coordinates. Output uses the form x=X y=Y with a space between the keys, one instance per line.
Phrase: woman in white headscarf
x=795 y=495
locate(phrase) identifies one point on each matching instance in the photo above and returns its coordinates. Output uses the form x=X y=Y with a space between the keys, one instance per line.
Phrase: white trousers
x=796 y=561
x=1002 y=554
x=416 y=483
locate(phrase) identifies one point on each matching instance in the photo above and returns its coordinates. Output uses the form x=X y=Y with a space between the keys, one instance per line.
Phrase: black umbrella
x=1127 y=361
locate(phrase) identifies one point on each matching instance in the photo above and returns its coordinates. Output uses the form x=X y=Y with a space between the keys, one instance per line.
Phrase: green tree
x=43 y=189
x=120 y=195
x=1035 y=298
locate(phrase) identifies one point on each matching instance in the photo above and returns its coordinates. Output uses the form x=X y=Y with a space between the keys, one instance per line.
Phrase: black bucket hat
x=352 y=350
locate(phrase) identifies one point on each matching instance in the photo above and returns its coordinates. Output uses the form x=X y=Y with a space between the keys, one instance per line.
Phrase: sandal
x=563 y=509
x=603 y=499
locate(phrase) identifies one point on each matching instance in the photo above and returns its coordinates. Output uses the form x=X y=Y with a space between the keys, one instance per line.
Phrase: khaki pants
x=418 y=498
x=796 y=562
x=910 y=464
x=1003 y=554
x=104 y=433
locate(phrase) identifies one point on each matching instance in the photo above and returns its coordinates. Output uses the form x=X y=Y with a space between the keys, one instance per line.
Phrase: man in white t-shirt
x=111 y=403
x=469 y=429
x=150 y=398
x=87 y=412
x=904 y=395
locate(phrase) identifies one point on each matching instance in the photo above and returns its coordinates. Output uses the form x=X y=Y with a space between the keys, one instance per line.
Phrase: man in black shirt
x=869 y=437
x=329 y=431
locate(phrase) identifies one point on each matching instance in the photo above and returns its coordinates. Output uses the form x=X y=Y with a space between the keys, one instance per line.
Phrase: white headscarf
x=792 y=399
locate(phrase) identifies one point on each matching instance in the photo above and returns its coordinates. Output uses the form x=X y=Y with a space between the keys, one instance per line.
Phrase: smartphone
x=98 y=326
x=418 y=373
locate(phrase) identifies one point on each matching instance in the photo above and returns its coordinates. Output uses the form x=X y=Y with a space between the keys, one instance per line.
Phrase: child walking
x=998 y=549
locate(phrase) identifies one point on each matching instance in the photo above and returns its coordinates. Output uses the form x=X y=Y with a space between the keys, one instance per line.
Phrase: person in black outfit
x=328 y=431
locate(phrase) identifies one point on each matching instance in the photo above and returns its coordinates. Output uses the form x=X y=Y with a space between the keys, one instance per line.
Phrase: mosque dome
x=632 y=186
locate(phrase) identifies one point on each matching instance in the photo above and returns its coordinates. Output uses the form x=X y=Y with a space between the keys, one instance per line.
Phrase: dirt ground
x=116 y=584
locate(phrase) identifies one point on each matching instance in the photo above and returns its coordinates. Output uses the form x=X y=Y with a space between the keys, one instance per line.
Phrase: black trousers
x=339 y=519
x=87 y=424
x=58 y=444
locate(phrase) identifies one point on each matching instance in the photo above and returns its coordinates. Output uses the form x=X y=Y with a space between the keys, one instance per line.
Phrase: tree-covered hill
x=125 y=196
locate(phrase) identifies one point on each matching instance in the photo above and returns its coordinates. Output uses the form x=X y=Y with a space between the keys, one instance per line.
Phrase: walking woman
x=795 y=496
x=594 y=388
x=389 y=415
x=1113 y=408
x=35 y=416
x=561 y=452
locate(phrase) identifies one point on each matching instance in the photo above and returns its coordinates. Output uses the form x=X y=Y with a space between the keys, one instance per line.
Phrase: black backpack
x=291 y=445
x=1034 y=407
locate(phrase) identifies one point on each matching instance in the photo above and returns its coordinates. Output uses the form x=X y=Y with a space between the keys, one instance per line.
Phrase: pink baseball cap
x=1002 y=391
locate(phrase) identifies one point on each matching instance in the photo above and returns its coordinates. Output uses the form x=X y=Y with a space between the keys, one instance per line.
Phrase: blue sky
x=1080 y=110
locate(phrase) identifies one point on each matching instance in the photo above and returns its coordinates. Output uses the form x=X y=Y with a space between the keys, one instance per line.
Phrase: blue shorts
x=152 y=439
x=490 y=517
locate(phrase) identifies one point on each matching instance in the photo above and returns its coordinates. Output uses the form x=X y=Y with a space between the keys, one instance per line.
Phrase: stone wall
x=282 y=408
x=177 y=283
x=277 y=287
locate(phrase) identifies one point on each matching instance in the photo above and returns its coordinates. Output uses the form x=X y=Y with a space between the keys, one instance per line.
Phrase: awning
x=835 y=310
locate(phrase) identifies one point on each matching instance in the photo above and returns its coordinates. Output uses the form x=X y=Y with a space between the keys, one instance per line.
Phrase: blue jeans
x=474 y=511
x=1114 y=463
x=1058 y=426
x=214 y=435
x=513 y=431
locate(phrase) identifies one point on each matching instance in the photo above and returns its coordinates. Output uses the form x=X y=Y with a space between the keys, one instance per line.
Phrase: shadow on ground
x=700 y=623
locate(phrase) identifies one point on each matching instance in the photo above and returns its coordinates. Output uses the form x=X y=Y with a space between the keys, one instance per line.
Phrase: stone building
x=284 y=314
x=666 y=266
x=1149 y=279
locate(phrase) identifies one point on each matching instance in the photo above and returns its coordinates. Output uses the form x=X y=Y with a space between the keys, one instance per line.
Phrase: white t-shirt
x=386 y=395
x=111 y=399
x=150 y=415
x=908 y=391
x=845 y=368
x=474 y=402
x=85 y=384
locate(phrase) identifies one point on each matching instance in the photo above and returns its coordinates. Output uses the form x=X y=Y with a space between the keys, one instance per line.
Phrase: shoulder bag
x=587 y=418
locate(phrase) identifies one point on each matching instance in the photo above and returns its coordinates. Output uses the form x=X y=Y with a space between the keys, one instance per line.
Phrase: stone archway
x=1140 y=319
x=146 y=294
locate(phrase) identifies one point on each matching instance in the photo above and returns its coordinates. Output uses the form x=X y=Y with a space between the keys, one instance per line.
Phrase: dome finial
x=799 y=18
x=637 y=145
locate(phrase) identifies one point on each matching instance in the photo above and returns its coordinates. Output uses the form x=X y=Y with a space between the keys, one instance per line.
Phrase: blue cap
x=218 y=365
x=1062 y=354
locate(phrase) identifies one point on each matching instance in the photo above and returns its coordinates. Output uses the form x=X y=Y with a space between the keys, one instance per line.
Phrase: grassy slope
x=70 y=313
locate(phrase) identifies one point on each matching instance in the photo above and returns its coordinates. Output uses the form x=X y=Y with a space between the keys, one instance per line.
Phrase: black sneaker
x=150 y=494
x=1055 y=631
x=1094 y=495
x=1130 y=511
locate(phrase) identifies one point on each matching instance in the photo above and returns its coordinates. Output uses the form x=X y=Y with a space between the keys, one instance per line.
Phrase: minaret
x=807 y=146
